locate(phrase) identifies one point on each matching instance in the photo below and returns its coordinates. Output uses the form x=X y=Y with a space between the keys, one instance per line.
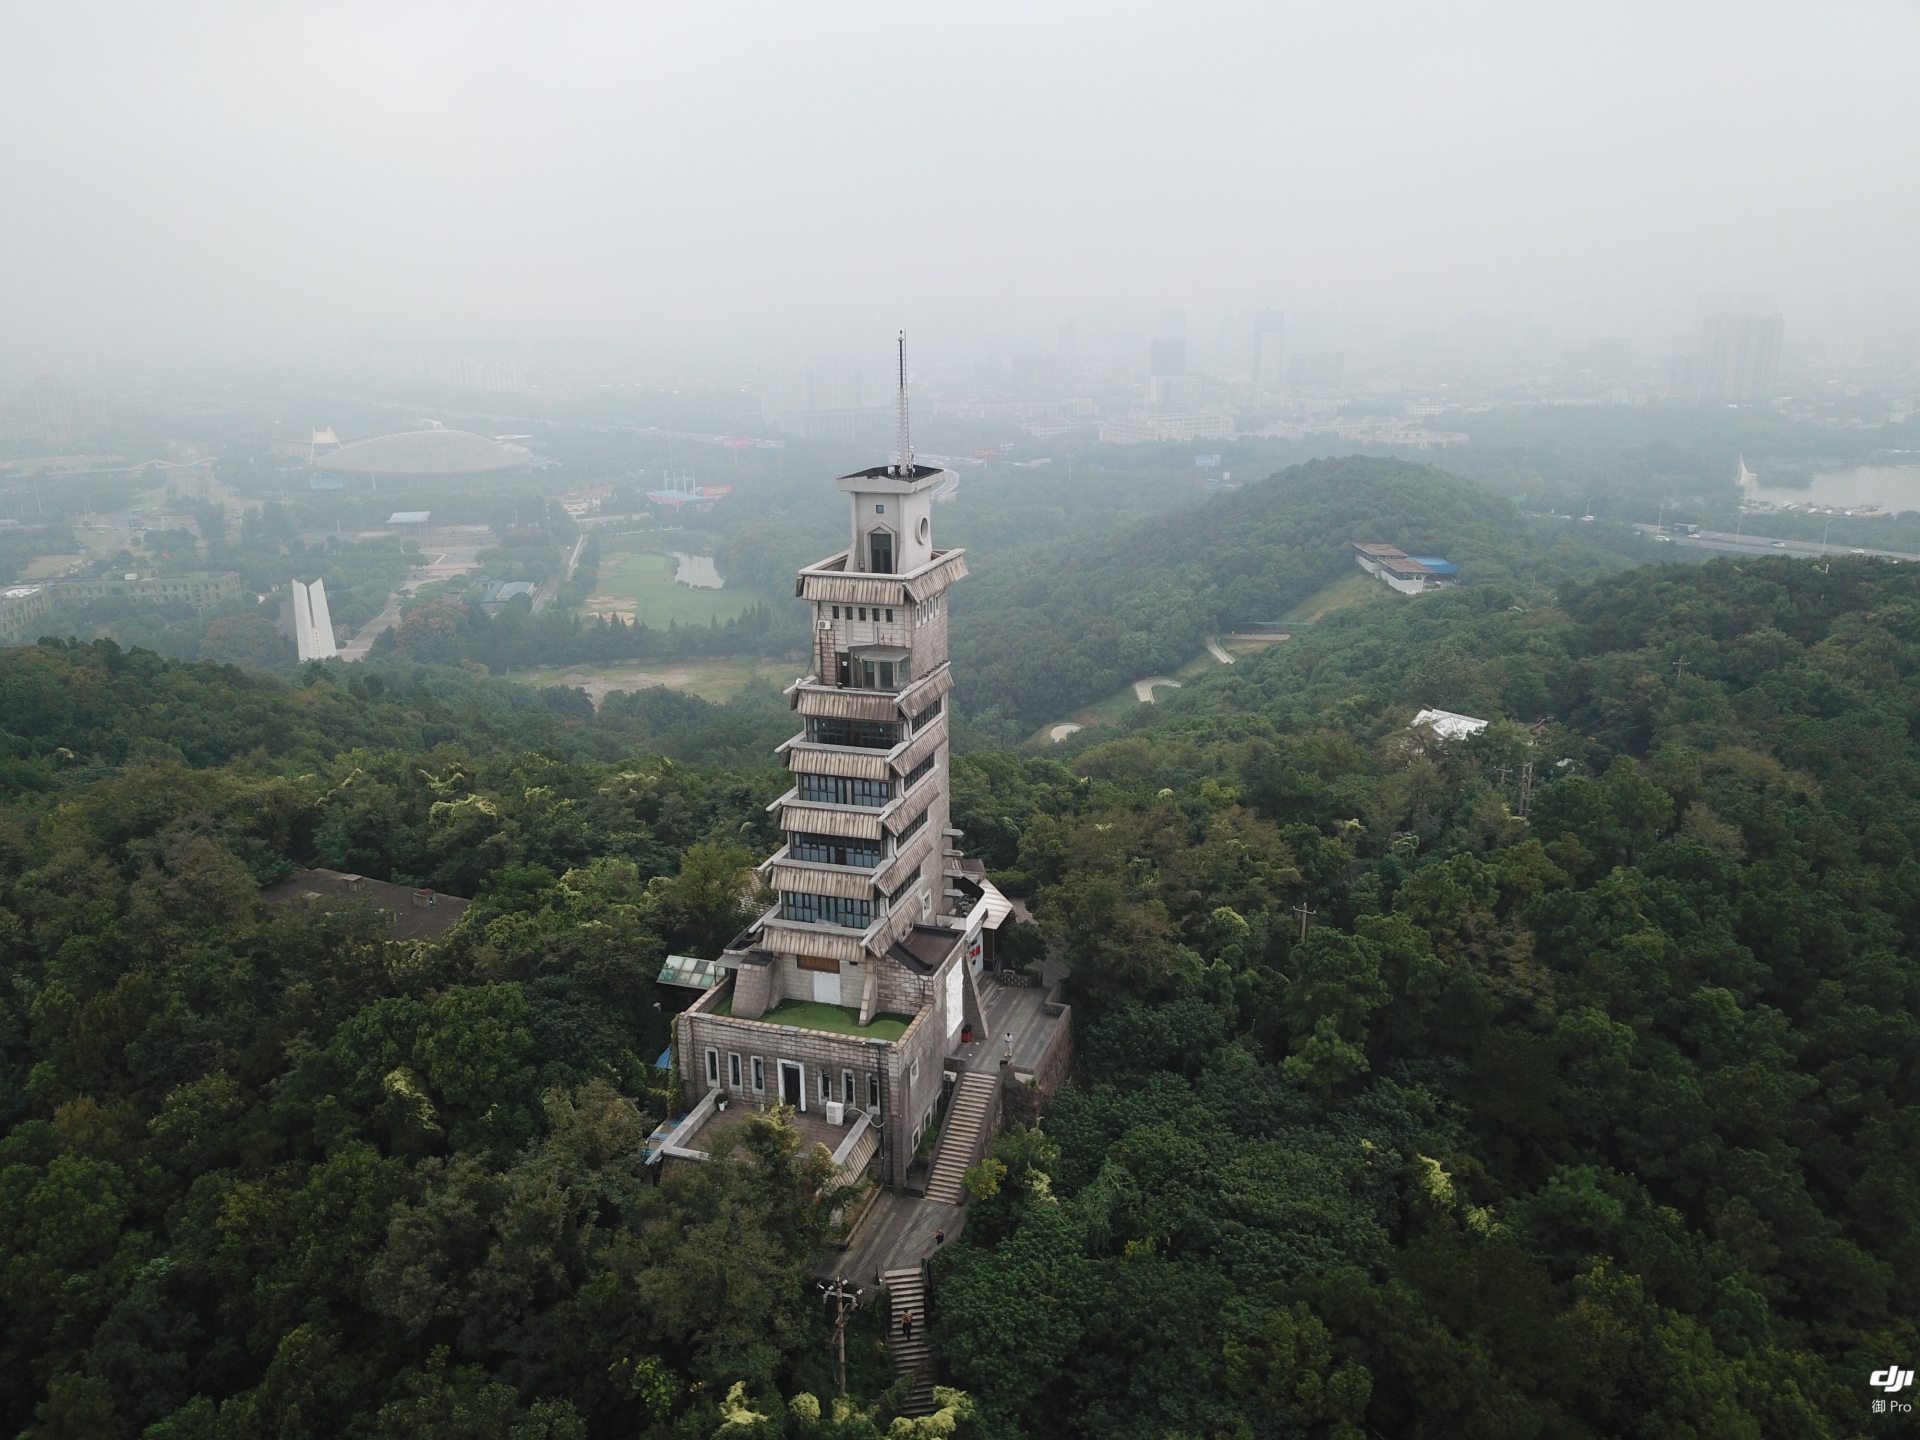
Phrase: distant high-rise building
x=50 y=412
x=1739 y=357
x=827 y=400
x=312 y=621
x=1325 y=369
x=490 y=365
x=1269 y=348
x=1167 y=356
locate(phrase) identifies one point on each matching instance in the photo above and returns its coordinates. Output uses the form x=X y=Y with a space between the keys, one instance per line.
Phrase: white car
x=1779 y=544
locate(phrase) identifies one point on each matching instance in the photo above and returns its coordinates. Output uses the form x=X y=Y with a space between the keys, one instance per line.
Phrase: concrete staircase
x=967 y=1116
x=912 y=1359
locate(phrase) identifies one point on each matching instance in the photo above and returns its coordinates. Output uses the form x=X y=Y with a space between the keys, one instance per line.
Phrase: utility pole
x=1526 y=788
x=1679 y=671
x=1305 y=915
x=843 y=1302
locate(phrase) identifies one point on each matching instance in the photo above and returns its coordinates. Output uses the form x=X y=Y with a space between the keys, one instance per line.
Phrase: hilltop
x=1053 y=628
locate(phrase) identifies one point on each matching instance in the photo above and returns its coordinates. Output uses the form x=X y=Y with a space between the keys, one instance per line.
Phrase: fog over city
x=265 y=183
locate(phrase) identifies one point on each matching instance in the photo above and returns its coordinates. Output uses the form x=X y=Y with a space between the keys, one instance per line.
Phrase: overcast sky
x=268 y=179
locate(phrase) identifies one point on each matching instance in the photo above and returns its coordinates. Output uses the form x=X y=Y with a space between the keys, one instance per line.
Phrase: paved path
x=897 y=1231
x=1061 y=732
x=1213 y=648
x=357 y=648
x=1143 y=689
x=546 y=592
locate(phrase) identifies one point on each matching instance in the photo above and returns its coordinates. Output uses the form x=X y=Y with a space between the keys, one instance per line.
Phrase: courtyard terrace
x=833 y=1019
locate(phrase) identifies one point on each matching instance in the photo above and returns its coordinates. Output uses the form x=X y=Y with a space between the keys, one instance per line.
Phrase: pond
x=699 y=571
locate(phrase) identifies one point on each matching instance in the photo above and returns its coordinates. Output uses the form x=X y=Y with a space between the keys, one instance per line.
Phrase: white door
x=826 y=986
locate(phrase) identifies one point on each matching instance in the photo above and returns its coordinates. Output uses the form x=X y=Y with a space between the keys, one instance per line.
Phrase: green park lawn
x=639 y=585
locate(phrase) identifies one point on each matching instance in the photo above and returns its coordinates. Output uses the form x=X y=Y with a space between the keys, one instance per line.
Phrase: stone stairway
x=967 y=1115
x=912 y=1359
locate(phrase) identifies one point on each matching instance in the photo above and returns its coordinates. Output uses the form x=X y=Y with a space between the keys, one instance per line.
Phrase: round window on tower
x=920 y=530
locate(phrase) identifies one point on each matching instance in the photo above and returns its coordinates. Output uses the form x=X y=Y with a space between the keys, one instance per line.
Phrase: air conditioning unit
x=873 y=1113
x=836 y=1113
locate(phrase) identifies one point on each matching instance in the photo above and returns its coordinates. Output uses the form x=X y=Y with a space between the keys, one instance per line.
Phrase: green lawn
x=1357 y=588
x=639 y=585
x=834 y=1019
x=1110 y=709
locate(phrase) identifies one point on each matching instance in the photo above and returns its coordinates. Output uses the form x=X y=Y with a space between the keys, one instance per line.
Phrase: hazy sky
x=267 y=179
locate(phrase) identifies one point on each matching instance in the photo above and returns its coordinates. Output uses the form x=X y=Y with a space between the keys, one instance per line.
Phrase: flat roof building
x=1408 y=574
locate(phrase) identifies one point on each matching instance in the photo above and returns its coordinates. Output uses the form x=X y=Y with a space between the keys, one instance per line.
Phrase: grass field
x=48 y=567
x=1357 y=588
x=1110 y=709
x=639 y=585
x=709 y=679
x=835 y=1019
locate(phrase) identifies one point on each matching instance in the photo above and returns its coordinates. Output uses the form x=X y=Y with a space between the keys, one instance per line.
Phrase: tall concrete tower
x=867 y=819
x=855 y=993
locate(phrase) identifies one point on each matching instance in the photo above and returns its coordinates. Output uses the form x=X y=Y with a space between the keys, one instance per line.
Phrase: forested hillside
x=1597 y=1122
x=267 y=1175
x=1043 y=631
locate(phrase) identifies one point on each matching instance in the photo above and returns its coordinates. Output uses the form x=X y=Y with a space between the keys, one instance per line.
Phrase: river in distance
x=1893 y=487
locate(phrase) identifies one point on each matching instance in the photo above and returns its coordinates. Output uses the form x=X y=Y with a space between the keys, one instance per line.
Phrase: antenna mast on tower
x=904 y=465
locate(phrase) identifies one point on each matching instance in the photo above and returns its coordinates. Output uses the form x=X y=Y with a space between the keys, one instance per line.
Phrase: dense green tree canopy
x=1554 y=1082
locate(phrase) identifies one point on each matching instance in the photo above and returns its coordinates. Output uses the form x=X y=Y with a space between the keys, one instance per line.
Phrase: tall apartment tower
x=1739 y=356
x=1269 y=349
x=867 y=914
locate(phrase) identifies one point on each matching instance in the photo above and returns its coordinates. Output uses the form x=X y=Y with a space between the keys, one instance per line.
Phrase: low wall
x=1050 y=1071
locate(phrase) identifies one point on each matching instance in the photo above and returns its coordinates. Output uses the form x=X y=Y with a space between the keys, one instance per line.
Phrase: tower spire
x=904 y=464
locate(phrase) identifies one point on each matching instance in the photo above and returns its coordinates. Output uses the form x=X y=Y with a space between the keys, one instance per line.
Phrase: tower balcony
x=861 y=822
x=830 y=580
x=818 y=758
x=812 y=697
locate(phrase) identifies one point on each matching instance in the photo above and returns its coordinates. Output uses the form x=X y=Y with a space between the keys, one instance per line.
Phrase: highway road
x=1731 y=543
x=544 y=595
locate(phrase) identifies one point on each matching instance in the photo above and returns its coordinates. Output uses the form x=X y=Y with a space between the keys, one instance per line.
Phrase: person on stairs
x=906 y=1326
